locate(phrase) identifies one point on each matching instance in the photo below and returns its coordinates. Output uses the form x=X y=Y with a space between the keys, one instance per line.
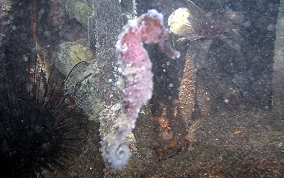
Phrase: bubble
x=25 y=58
x=46 y=146
x=14 y=27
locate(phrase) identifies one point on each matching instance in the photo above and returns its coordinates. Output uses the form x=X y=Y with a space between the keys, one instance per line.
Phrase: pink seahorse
x=135 y=66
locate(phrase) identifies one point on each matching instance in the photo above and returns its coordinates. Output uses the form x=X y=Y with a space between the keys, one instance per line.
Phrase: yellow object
x=80 y=53
x=179 y=22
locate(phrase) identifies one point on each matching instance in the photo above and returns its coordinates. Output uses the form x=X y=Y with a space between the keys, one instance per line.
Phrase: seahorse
x=135 y=66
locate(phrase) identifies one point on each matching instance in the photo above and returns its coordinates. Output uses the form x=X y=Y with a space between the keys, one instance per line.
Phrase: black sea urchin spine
x=39 y=131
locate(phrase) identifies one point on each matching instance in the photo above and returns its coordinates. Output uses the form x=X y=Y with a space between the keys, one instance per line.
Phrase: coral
x=135 y=66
